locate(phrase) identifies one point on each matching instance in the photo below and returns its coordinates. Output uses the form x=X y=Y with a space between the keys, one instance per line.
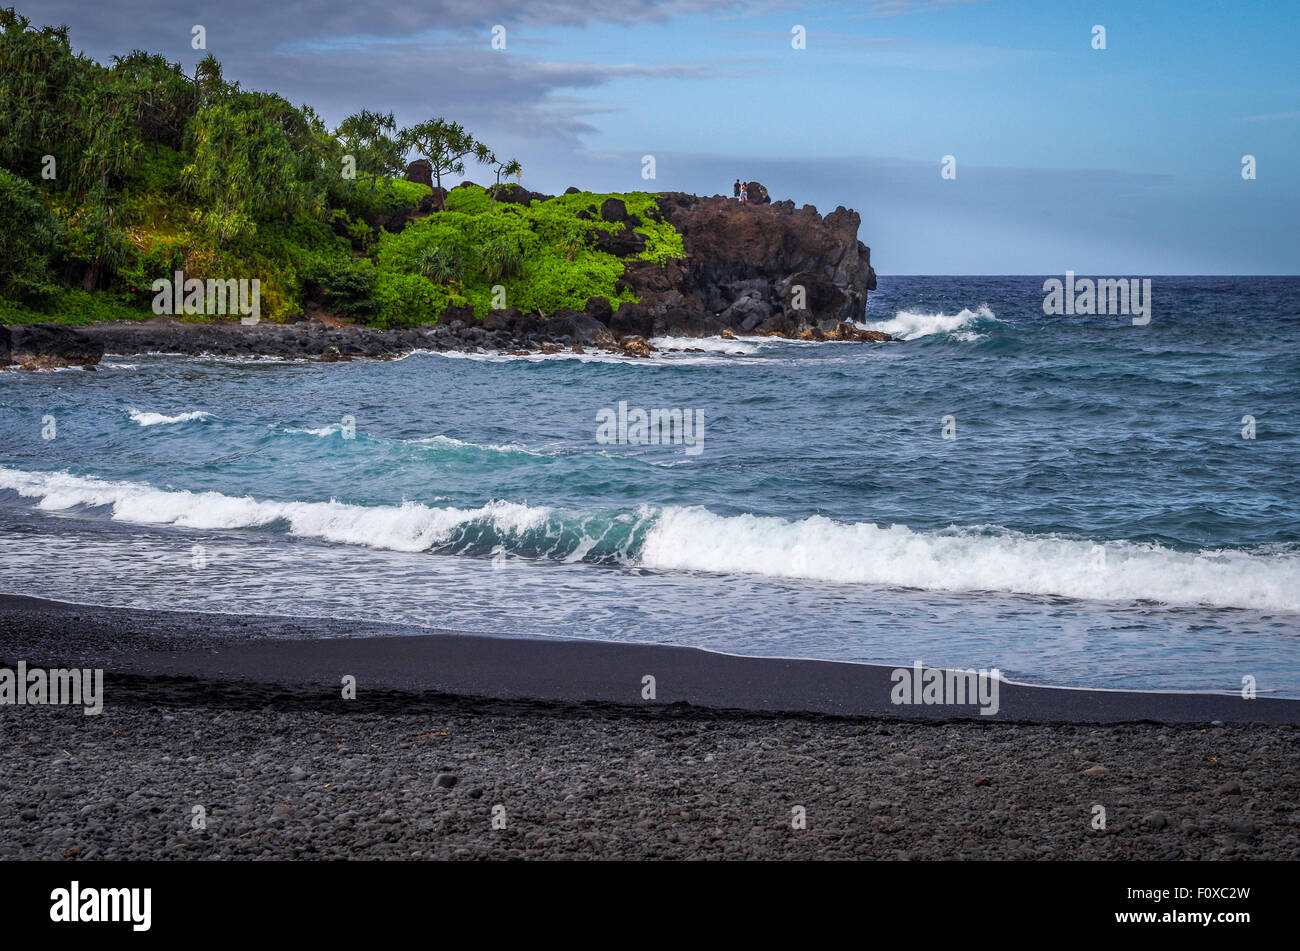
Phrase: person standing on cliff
x=744 y=194
x=736 y=190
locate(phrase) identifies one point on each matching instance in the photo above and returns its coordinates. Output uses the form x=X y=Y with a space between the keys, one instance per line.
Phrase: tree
x=161 y=96
x=509 y=169
x=29 y=236
x=369 y=137
x=46 y=92
x=444 y=145
x=253 y=157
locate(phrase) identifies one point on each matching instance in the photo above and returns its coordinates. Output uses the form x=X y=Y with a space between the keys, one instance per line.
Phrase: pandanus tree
x=508 y=169
x=444 y=145
x=371 y=139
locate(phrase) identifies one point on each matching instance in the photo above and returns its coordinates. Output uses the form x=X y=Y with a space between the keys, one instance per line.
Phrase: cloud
x=489 y=92
x=417 y=59
x=163 y=25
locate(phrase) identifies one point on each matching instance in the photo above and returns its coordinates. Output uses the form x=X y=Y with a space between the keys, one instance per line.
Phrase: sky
x=1123 y=161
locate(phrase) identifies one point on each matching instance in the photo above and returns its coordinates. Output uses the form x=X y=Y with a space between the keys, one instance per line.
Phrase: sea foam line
x=980 y=558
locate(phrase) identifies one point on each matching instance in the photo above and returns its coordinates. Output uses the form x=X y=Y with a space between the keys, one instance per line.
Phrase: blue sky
x=1123 y=161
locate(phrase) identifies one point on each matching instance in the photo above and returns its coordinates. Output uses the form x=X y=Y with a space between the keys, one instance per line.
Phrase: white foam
x=980 y=558
x=322 y=431
x=159 y=419
x=407 y=527
x=462 y=444
x=656 y=359
x=970 y=559
x=706 y=344
x=909 y=325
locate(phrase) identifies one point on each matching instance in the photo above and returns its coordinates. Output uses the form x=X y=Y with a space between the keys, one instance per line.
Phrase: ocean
x=1073 y=500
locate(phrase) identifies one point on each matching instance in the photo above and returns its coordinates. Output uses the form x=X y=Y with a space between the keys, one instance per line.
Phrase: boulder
x=579 y=327
x=506 y=318
x=756 y=194
x=635 y=346
x=599 y=308
x=515 y=194
x=632 y=318
x=420 y=171
x=613 y=210
x=623 y=244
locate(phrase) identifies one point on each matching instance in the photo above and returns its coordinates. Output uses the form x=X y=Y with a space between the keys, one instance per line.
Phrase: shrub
x=407 y=300
x=29 y=236
x=344 y=285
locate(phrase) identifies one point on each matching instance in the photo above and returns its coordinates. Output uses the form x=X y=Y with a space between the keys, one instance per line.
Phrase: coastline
x=309 y=656
x=283 y=768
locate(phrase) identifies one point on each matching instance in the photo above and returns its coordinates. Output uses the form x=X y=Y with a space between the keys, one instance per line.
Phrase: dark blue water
x=1098 y=518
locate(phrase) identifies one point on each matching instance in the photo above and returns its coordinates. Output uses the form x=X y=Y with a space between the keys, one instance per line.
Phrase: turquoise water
x=1097 y=520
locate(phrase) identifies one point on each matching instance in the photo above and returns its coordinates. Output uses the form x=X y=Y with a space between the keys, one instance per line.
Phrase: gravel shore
x=242 y=716
x=401 y=776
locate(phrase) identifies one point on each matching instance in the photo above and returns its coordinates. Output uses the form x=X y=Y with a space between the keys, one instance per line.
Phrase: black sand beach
x=553 y=740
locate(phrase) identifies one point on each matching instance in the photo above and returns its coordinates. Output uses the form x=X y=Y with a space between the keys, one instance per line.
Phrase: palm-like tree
x=444 y=144
x=509 y=169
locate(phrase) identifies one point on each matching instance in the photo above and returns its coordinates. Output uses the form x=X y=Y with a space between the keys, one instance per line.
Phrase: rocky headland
x=762 y=268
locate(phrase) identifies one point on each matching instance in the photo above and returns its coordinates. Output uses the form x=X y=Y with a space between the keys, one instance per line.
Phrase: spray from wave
x=910 y=325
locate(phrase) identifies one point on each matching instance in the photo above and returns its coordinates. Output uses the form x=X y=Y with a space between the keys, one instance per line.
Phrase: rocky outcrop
x=48 y=347
x=754 y=269
x=420 y=171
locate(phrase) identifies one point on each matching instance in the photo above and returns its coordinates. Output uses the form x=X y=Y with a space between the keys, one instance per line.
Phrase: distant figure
x=744 y=194
x=736 y=190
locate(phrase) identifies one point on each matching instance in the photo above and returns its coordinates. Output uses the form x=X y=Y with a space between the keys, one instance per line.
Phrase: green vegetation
x=113 y=176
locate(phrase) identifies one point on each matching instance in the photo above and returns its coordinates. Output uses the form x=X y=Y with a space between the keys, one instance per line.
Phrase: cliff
x=744 y=265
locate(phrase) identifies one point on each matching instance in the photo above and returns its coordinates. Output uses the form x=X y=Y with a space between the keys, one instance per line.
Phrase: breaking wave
x=910 y=325
x=674 y=538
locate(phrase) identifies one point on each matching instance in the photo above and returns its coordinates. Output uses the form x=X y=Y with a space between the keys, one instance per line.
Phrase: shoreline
x=291 y=771
x=294 y=654
x=324 y=342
